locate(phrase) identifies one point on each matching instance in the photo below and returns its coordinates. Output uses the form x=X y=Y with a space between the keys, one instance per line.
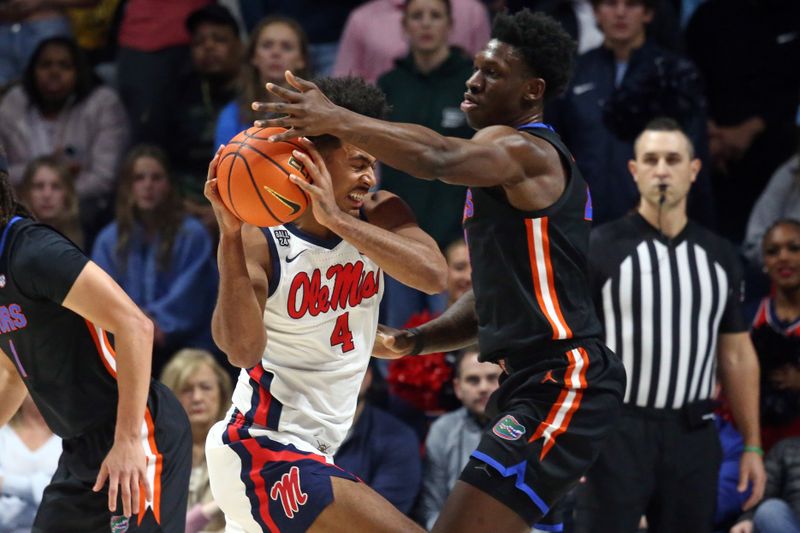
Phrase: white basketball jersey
x=321 y=317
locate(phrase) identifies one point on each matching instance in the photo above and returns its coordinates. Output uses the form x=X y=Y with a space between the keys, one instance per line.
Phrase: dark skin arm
x=529 y=169
x=456 y=328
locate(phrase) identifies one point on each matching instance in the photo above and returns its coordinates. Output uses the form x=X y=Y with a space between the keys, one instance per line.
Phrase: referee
x=668 y=293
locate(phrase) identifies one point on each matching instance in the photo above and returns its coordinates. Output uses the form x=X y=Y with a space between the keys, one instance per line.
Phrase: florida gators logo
x=508 y=428
x=288 y=491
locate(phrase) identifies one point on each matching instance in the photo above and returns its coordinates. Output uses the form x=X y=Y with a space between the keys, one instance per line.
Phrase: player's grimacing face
x=495 y=89
x=352 y=175
x=476 y=383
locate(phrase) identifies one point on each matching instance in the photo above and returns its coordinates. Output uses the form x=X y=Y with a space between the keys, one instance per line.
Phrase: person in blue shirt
x=162 y=257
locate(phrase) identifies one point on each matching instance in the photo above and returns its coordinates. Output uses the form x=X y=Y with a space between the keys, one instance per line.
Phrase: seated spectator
x=276 y=45
x=29 y=455
x=779 y=511
x=426 y=87
x=203 y=388
x=61 y=110
x=373 y=36
x=776 y=333
x=382 y=451
x=459 y=270
x=162 y=257
x=23 y=25
x=780 y=199
x=201 y=92
x=454 y=436
x=616 y=89
x=48 y=190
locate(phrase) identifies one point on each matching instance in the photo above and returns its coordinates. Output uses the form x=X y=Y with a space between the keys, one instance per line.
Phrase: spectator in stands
x=202 y=91
x=162 y=257
x=321 y=21
x=459 y=271
x=153 y=52
x=776 y=333
x=48 y=190
x=426 y=87
x=23 y=25
x=277 y=44
x=203 y=388
x=373 y=36
x=752 y=86
x=781 y=199
x=61 y=110
x=780 y=510
x=382 y=451
x=455 y=435
x=29 y=455
x=616 y=89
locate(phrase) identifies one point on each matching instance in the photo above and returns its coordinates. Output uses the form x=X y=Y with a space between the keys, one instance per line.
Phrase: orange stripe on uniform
x=100 y=352
x=568 y=401
x=543 y=278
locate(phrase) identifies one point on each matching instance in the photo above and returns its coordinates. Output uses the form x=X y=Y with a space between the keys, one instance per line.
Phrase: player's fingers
x=113 y=490
x=284 y=93
x=101 y=478
x=134 y=488
x=305 y=185
x=148 y=490
x=313 y=152
x=291 y=133
x=299 y=83
x=125 y=492
x=313 y=167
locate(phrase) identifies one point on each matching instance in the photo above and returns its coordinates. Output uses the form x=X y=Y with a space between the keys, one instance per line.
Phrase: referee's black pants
x=654 y=463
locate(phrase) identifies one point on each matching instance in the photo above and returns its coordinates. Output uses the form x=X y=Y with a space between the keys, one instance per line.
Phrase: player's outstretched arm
x=97 y=298
x=497 y=155
x=454 y=329
x=390 y=236
x=243 y=254
x=12 y=390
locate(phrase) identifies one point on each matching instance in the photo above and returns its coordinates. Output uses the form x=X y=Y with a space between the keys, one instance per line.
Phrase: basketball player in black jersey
x=527 y=220
x=126 y=440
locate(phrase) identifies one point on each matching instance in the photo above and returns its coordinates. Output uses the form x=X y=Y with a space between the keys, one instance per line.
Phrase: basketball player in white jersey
x=298 y=312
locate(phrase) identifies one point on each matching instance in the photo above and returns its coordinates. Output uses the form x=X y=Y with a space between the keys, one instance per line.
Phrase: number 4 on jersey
x=341 y=333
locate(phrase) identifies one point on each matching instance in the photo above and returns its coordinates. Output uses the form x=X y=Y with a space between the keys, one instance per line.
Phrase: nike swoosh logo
x=290 y=259
x=583 y=88
x=285 y=201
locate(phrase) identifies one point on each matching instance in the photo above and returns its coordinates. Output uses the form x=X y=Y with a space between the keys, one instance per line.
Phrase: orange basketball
x=253 y=176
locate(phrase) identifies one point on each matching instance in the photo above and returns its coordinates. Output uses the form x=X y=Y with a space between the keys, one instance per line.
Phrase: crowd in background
x=110 y=111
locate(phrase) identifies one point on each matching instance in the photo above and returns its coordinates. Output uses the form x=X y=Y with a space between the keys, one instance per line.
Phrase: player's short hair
x=548 y=50
x=354 y=94
x=461 y=355
x=665 y=124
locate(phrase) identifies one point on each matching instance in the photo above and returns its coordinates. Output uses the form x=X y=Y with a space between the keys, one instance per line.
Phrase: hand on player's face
x=307 y=110
x=227 y=221
x=319 y=185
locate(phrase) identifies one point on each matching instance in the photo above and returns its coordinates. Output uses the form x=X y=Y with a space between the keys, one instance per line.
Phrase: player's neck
x=536 y=115
x=669 y=220
x=309 y=225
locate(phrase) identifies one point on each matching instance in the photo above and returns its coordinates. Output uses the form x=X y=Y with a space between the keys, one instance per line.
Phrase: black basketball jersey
x=66 y=362
x=529 y=268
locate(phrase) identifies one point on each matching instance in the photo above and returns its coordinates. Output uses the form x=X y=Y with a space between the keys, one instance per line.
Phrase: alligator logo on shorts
x=119 y=524
x=508 y=428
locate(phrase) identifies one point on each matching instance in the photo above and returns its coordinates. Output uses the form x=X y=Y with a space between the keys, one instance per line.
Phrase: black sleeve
x=733 y=316
x=45 y=264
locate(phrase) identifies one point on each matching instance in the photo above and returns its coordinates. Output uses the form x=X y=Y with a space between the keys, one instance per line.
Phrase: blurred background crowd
x=110 y=111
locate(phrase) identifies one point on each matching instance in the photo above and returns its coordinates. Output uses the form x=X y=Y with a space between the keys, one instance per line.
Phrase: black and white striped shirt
x=663 y=304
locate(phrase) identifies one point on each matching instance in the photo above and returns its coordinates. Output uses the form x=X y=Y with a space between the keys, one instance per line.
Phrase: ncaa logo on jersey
x=288 y=491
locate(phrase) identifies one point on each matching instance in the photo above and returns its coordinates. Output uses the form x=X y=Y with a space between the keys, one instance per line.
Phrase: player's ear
x=534 y=90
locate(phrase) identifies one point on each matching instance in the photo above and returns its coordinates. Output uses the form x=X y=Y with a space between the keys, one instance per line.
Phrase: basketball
x=253 y=178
